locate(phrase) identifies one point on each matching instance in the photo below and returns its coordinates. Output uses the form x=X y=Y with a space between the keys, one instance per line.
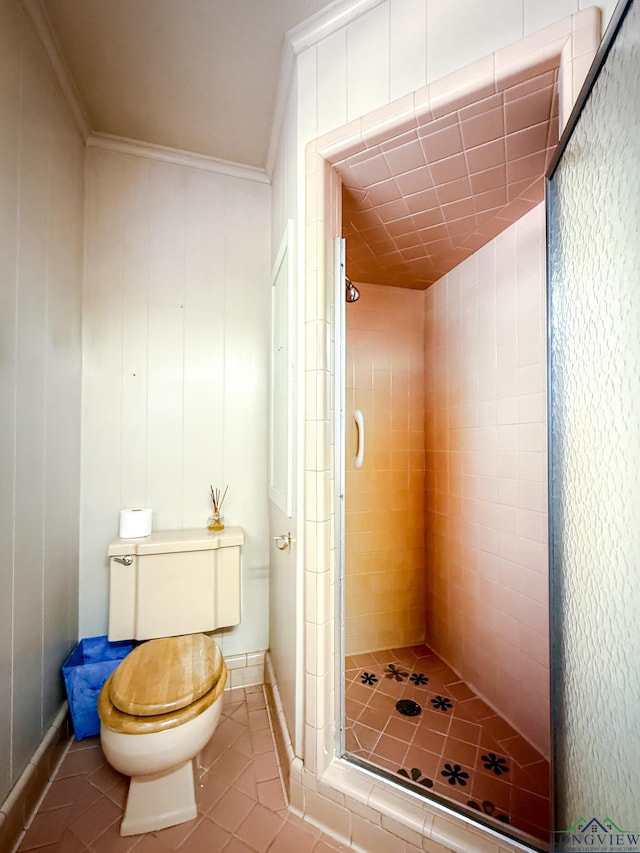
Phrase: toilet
x=161 y=705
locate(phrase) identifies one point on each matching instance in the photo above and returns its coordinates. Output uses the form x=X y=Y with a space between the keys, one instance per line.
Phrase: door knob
x=283 y=541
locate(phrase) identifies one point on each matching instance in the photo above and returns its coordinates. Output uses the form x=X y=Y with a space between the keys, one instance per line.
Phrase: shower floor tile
x=443 y=738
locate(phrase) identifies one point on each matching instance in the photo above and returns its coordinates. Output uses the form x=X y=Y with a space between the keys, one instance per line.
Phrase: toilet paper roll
x=135 y=523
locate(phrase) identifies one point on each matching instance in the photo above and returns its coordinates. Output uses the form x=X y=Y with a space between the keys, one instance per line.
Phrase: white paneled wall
x=176 y=320
x=41 y=189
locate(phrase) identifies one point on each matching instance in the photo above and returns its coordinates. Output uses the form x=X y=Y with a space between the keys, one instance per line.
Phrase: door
x=594 y=307
x=285 y=590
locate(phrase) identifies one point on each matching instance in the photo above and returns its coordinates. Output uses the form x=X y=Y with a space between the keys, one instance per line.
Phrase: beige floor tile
x=231 y=809
x=239 y=792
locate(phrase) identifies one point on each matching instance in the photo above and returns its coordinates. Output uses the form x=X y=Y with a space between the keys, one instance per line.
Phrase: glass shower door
x=594 y=306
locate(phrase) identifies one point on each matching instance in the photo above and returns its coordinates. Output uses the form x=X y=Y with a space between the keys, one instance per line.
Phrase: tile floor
x=455 y=745
x=241 y=805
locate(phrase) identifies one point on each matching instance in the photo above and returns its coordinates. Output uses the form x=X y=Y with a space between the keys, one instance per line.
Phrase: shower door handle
x=359 y=419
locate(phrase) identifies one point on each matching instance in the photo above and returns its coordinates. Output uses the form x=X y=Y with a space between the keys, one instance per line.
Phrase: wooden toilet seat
x=162 y=684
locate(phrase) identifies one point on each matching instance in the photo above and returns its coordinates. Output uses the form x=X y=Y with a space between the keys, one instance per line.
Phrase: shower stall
x=446 y=570
x=429 y=596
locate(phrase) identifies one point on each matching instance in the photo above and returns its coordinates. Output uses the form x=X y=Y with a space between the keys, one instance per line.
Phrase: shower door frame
x=340 y=352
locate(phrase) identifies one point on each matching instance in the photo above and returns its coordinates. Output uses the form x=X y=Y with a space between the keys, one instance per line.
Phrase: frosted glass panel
x=594 y=227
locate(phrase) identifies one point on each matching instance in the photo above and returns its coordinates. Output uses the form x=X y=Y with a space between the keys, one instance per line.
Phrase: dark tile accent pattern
x=456 y=746
x=416 y=776
x=488 y=808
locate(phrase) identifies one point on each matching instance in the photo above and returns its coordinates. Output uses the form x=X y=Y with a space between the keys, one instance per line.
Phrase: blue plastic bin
x=84 y=672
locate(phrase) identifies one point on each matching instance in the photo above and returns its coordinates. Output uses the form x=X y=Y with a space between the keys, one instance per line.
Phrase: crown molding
x=37 y=12
x=177 y=156
x=334 y=17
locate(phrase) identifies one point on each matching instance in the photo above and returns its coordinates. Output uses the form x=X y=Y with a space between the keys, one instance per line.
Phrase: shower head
x=352 y=293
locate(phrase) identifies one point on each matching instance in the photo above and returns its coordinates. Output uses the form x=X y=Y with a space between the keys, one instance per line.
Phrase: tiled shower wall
x=486 y=475
x=384 y=503
x=455 y=554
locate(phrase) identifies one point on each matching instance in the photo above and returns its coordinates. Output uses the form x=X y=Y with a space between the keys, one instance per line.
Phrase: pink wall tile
x=523 y=142
x=404 y=158
x=528 y=87
x=526 y=168
x=442 y=143
x=449 y=169
x=385 y=557
x=482 y=182
x=483 y=128
x=532 y=109
x=482 y=157
x=487 y=318
x=371 y=171
x=383 y=192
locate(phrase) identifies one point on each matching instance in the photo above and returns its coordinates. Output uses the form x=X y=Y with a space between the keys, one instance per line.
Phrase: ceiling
x=197 y=75
x=417 y=205
x=202 y=76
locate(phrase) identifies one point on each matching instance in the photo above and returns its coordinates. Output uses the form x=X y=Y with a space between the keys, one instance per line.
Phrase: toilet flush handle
x=126 y=561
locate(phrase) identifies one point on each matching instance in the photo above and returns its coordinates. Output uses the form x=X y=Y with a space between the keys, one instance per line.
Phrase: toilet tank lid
x=171 y=541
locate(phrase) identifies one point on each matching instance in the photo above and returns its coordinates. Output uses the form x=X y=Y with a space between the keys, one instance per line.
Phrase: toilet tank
x=174 y=582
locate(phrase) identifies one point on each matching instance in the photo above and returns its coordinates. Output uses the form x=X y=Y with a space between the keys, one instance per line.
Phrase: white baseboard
x=284 y=746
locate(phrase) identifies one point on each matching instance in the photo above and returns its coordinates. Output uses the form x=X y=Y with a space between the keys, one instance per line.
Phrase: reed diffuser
x=216 y=521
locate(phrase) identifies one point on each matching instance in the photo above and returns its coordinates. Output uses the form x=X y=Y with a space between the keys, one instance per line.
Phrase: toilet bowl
x=157 y=711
